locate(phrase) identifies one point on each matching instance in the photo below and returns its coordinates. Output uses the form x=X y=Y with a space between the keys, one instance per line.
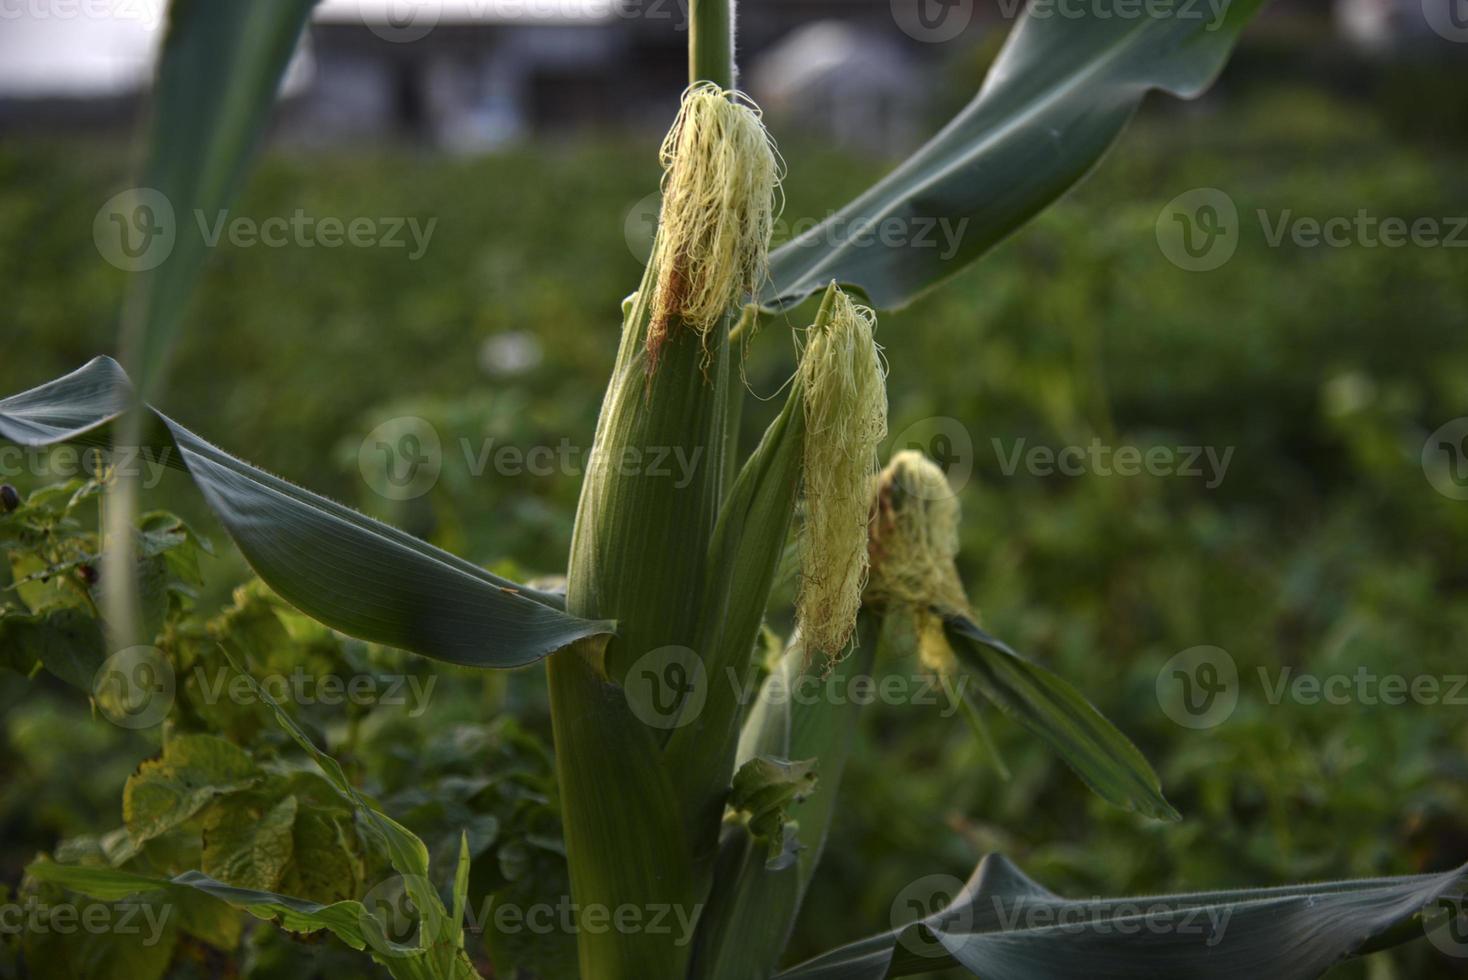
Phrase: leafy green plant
x=670 y=793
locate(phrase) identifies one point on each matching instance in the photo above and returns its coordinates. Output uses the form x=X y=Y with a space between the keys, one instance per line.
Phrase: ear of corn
x=914 y=541
x=846 y=418
x=640 y=549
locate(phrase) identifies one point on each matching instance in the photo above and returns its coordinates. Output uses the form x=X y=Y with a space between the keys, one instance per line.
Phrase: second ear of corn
x=845 y=420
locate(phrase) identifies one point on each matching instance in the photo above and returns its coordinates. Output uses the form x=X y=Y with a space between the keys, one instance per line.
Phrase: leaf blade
x=316 y=553
x=1055 y=100
x=1104 y=758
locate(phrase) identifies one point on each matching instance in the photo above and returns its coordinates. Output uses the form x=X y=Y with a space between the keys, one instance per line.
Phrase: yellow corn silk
x=721 y=179
x=845 y=419
x=914 y=541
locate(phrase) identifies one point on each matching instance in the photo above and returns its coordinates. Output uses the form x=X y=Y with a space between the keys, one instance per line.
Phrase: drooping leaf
x=354 y=574
x=1004 y=926
x=1058 y=95
x=1047 y=706
x=343 y=919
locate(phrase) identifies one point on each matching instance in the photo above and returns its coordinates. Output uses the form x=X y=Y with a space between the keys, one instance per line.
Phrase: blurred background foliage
x=1323 y=549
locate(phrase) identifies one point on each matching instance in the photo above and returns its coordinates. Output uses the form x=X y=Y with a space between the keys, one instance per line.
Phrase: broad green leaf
x=248 y=843
x=324 y=868
x=193 y=772
x=439 y=953
x=218 y=76
x=764 y=794
x=67 y=642
x=354 y=574
x=1057 y=97
x=1003 y=926
x=1047 y=706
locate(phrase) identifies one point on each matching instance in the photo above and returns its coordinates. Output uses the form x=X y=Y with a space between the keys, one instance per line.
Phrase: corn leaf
x=1004 y=926
x=1047 y=706
x=218 y=75
x=1057 y=97
x=352 y=573
x=743 y=558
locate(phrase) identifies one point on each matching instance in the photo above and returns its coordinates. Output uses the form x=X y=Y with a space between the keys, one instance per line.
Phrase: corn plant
x=673 y=793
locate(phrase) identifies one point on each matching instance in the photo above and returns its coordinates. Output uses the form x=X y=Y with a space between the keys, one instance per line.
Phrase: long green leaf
x=352 y=573
x=218 y=76
x=1103 y=757
x=1004 y=926
x=743 y=558
x=344 y=919
x=1059 y=94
